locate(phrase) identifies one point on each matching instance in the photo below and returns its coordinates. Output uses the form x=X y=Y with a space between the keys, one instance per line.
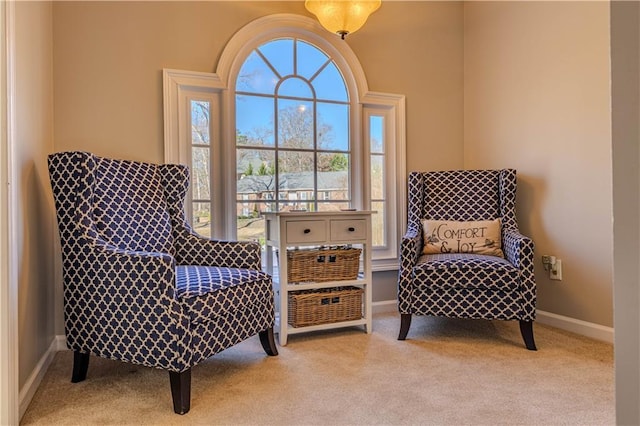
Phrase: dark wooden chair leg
x=526 y=329
x=181 y=391
x=268 y=341
x=80 y=366
x=405 y=323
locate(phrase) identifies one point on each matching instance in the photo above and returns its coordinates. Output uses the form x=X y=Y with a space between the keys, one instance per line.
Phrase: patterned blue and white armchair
x=139 y=285
x=451 y=280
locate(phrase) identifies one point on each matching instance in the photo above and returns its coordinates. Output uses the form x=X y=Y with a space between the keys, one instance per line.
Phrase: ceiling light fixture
x=342 y=16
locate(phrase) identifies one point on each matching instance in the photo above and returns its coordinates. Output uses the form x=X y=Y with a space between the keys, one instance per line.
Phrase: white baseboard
x=31 y=385
x=61 y=341
x=584 y=328
x=384 y=306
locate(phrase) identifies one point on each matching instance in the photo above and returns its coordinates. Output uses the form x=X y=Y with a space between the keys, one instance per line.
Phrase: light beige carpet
x=448 y=372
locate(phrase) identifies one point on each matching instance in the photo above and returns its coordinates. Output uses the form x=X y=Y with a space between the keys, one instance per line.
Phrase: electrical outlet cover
x=556 y=272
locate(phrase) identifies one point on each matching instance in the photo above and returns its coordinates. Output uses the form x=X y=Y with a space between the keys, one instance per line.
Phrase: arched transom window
x=293 y=149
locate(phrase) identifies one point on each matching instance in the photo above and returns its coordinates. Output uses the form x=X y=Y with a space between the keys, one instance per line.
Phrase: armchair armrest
x=193 y=249
x=410 y=246
x=124 y=306
x=147 y=274
x=519 y=250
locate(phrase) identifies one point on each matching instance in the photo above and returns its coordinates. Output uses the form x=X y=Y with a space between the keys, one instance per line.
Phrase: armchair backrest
x=121 y=203
x=462 y=195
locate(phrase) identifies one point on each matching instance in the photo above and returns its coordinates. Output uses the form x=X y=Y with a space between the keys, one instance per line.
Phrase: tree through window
x=293 y=149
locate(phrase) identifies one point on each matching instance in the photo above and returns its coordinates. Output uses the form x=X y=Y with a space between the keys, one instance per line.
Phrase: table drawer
x=306 y=231
x=348 y=229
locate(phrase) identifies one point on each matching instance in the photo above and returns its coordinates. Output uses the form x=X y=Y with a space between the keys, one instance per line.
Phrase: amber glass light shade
x=342 y=16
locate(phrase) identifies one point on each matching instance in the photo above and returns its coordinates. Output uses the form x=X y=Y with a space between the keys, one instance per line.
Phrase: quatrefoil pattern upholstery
x=139 y=284
x=465 y=285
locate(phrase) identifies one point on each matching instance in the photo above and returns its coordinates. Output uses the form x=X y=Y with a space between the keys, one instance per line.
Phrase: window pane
x=377 y=177
x=255 y=76
x=200 y=113
x=333 y=126
x=279 y=53
x=202 y=218
x=297 y=205
x=309 y=59
x=330 y=85
x=250 y=224
x=267 y=207
x=378 y=221
x=333 y=162
x=200 y=173
x=255 y=171
x=295 y=124
x=295 y=87
x=335 y=183
x=256 y=187
x=295 y=171
x=376 y=134
x=332 y=207
x=254 y=120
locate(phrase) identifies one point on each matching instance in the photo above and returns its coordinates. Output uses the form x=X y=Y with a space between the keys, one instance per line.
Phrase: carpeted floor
x=448 y=372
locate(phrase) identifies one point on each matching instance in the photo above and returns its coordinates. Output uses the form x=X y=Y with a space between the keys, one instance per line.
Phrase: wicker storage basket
x=323 y=306
x=324 y=264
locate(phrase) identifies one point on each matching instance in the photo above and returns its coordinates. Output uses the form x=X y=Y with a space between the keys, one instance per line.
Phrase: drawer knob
x=306 y=231
x=351 y=229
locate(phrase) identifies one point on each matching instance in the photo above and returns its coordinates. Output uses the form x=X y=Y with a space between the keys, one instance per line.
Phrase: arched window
x=287 y=123
x=293 y=144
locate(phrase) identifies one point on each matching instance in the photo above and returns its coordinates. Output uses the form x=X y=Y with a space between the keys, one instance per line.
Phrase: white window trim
x=392 y=107
x=180 y=85
x=10 y=401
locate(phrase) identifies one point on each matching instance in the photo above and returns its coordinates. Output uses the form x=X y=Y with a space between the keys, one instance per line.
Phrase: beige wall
x=416 y=49
x=536 y=86
x=34 y=140
x=109 y=56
